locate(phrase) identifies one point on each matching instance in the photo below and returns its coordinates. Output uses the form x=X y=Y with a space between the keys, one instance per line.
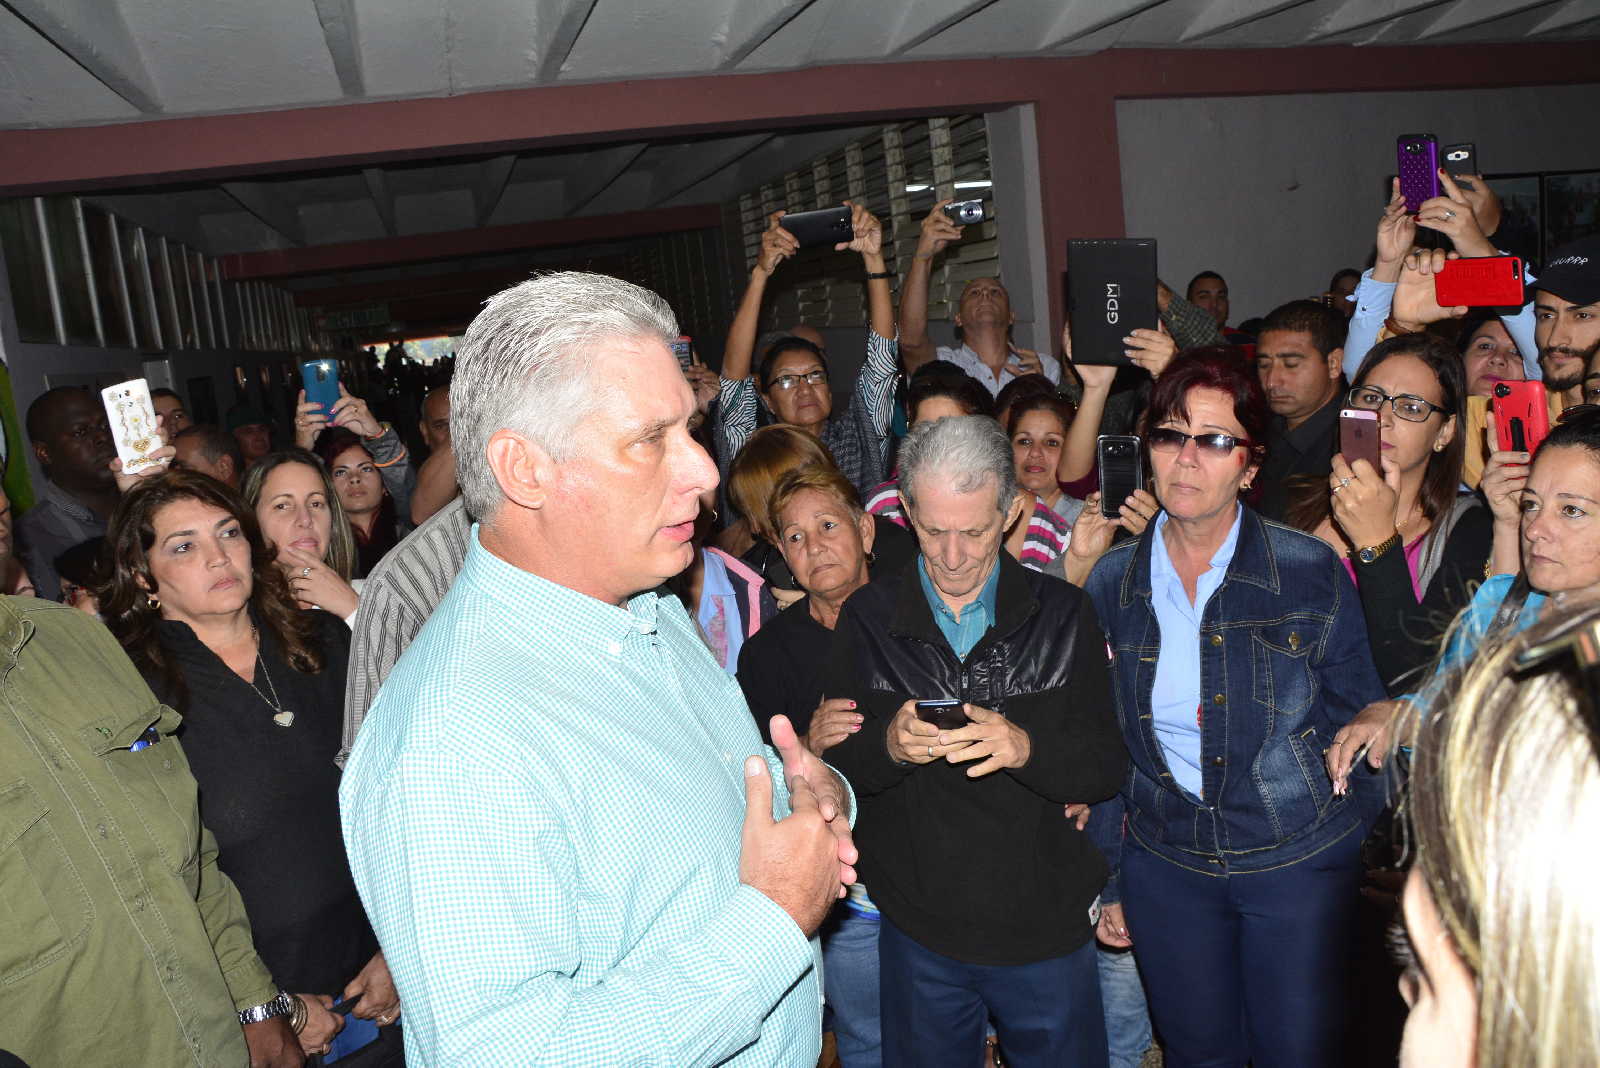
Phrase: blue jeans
x=1127 y=1018
x=850 y=984
x=1247 y=967
x=935 y=1008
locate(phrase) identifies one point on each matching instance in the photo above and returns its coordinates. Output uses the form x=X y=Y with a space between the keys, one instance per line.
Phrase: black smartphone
x=945 y=713
x=1461 y=159
x=964 y=212
x=1121 y=461
x=829 y=226
x=1111 y=290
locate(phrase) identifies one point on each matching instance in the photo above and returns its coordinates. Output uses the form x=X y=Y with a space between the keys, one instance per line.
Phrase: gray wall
x=1276 y=192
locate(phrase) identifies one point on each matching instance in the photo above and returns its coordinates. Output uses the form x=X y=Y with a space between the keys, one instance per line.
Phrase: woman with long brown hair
x=208 y=618
x=298 y=508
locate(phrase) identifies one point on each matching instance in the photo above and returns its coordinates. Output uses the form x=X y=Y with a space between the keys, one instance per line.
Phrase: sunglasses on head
x=1166 y=439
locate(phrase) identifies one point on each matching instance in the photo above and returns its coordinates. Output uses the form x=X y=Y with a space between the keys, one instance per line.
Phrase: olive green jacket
x=120 y=940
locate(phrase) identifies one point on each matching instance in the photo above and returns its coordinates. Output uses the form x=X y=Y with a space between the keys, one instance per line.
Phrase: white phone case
x=133 y=423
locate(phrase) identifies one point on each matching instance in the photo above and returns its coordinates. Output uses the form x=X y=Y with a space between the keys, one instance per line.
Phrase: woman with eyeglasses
x=1238 y=649
x=1415 y=547
x=1556 y=505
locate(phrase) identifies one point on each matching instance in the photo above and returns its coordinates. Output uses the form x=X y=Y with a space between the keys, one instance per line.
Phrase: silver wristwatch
x=282 y=1005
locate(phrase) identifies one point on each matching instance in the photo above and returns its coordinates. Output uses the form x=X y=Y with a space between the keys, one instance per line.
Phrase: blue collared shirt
x=1175 y=698
x=976 y=618
x=543 y=814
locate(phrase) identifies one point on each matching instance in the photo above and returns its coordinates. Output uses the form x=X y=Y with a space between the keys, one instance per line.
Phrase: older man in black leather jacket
x=984 y=887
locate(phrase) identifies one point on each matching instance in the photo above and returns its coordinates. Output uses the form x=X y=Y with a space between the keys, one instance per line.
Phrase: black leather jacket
x=984 y=870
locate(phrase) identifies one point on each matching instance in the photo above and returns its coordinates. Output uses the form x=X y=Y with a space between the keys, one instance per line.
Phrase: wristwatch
x=282 y=1005
x=1372 y=552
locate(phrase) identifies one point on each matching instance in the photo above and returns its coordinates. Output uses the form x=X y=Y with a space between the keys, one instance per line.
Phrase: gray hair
x=526 y=364
x=966 y=452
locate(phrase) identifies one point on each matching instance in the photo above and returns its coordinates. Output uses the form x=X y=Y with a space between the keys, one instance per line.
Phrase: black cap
x=1573 y=271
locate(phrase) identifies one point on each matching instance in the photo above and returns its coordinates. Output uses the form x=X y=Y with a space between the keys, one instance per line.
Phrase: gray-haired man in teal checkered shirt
x=569 y=837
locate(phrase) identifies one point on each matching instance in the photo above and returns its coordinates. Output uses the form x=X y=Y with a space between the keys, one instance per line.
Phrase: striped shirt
x=396 y=600
x=1049 y=531
x=858 y=438
x=543 y=815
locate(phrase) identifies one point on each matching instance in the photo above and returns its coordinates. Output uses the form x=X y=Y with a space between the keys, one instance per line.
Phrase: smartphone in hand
x=683 y=349
x=1480 y=282
x=1417 y=163
x=1521 y=415
x=829 y=226
x=1359 y=438
x=321 y=381
x=1120 y=458
x=945 y=713
x=1461 y=159
x=133 y=424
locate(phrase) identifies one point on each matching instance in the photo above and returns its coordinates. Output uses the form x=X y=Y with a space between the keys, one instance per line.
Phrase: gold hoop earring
x=153 y=602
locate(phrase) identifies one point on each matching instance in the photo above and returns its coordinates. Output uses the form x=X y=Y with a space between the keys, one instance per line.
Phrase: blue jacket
x=1284 y=664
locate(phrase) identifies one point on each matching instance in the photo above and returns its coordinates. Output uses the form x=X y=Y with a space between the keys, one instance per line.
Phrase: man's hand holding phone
x=938 y=230
x=991 y=739
x=1416 y=301
x=912 y=740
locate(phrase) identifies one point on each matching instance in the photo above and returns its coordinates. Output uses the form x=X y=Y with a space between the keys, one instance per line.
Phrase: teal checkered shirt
x=543 y=814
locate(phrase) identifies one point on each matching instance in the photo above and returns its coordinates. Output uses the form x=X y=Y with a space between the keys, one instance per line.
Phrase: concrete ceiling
x=66 y=62
x=87 y=62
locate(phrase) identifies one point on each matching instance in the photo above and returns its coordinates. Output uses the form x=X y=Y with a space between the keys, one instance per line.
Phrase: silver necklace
x=280 y=715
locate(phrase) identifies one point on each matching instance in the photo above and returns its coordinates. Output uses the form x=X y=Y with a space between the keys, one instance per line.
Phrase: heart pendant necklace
x=283 y=717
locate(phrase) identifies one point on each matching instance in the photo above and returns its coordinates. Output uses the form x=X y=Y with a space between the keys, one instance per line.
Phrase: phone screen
x=945 y=713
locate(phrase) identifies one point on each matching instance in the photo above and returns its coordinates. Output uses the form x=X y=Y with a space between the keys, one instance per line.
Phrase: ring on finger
x=930 y=750
x=305 y=572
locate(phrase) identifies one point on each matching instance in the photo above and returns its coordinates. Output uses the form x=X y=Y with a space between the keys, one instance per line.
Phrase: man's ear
x=1336 y=364
x=523 y=469
x=1014 y=513
x=225 y=465
x=41 y=452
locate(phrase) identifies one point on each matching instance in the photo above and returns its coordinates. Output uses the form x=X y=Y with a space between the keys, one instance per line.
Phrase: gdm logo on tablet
x=1113 y=300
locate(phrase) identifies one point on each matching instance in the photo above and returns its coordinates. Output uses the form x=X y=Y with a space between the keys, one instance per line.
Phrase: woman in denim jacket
x=1238 y=648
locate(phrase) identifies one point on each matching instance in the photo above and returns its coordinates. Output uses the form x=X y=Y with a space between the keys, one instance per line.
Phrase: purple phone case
x=1419 y=171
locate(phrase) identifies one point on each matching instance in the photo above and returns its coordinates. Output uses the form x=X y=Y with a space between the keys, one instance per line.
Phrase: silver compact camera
x=963 y=212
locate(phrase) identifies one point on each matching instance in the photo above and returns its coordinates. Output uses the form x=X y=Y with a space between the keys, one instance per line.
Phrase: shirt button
x=1216 y=639
x=1218 y=761
x=1219 y=699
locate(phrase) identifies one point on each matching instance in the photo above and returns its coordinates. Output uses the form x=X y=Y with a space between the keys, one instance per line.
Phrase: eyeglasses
x=1166 y=439
x=810 y=378
x=1410 y=408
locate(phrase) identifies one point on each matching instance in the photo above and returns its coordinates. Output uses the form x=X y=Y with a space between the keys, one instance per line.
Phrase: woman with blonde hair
x=1501 y=940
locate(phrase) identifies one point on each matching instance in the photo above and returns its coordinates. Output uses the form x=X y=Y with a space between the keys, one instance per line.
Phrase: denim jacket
x=1284 y=664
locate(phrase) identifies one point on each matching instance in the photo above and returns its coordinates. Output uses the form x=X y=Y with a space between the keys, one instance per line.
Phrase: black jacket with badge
x=986 y=870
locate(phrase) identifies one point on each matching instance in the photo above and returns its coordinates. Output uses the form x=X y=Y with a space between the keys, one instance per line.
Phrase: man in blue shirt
x=557 y=811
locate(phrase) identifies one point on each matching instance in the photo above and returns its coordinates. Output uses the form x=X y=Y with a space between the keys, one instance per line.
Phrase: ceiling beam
x=749 y=24
x=455 y=244
x=96 y=37
x=1219 y=16
x=931 y=19
x=568 y=17
x=1084 y=17
x=268 y=207
x=382 y=197
x=1573 y=13
x=1464 y=14
x=338 y=18
x=490 y=185
x=609 y=165
x=705 y=160
x=1358 y=14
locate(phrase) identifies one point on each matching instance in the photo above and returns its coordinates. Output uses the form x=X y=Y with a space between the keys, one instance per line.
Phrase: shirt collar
x=1161 y=563
x=1316 y=430
x=533 y=602
x=986 y=596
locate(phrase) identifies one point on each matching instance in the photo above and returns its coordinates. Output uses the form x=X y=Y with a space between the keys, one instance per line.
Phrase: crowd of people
x=677 y=716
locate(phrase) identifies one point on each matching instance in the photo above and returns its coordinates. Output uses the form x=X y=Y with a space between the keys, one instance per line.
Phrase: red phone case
x=1521 y=415
x=1480 y=282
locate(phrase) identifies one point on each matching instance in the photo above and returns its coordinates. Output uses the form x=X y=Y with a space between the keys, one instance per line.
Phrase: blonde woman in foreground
x=1501 y=939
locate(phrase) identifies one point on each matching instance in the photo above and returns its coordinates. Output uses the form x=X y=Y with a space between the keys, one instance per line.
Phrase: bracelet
x=1394 y=328
x=873 y=275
